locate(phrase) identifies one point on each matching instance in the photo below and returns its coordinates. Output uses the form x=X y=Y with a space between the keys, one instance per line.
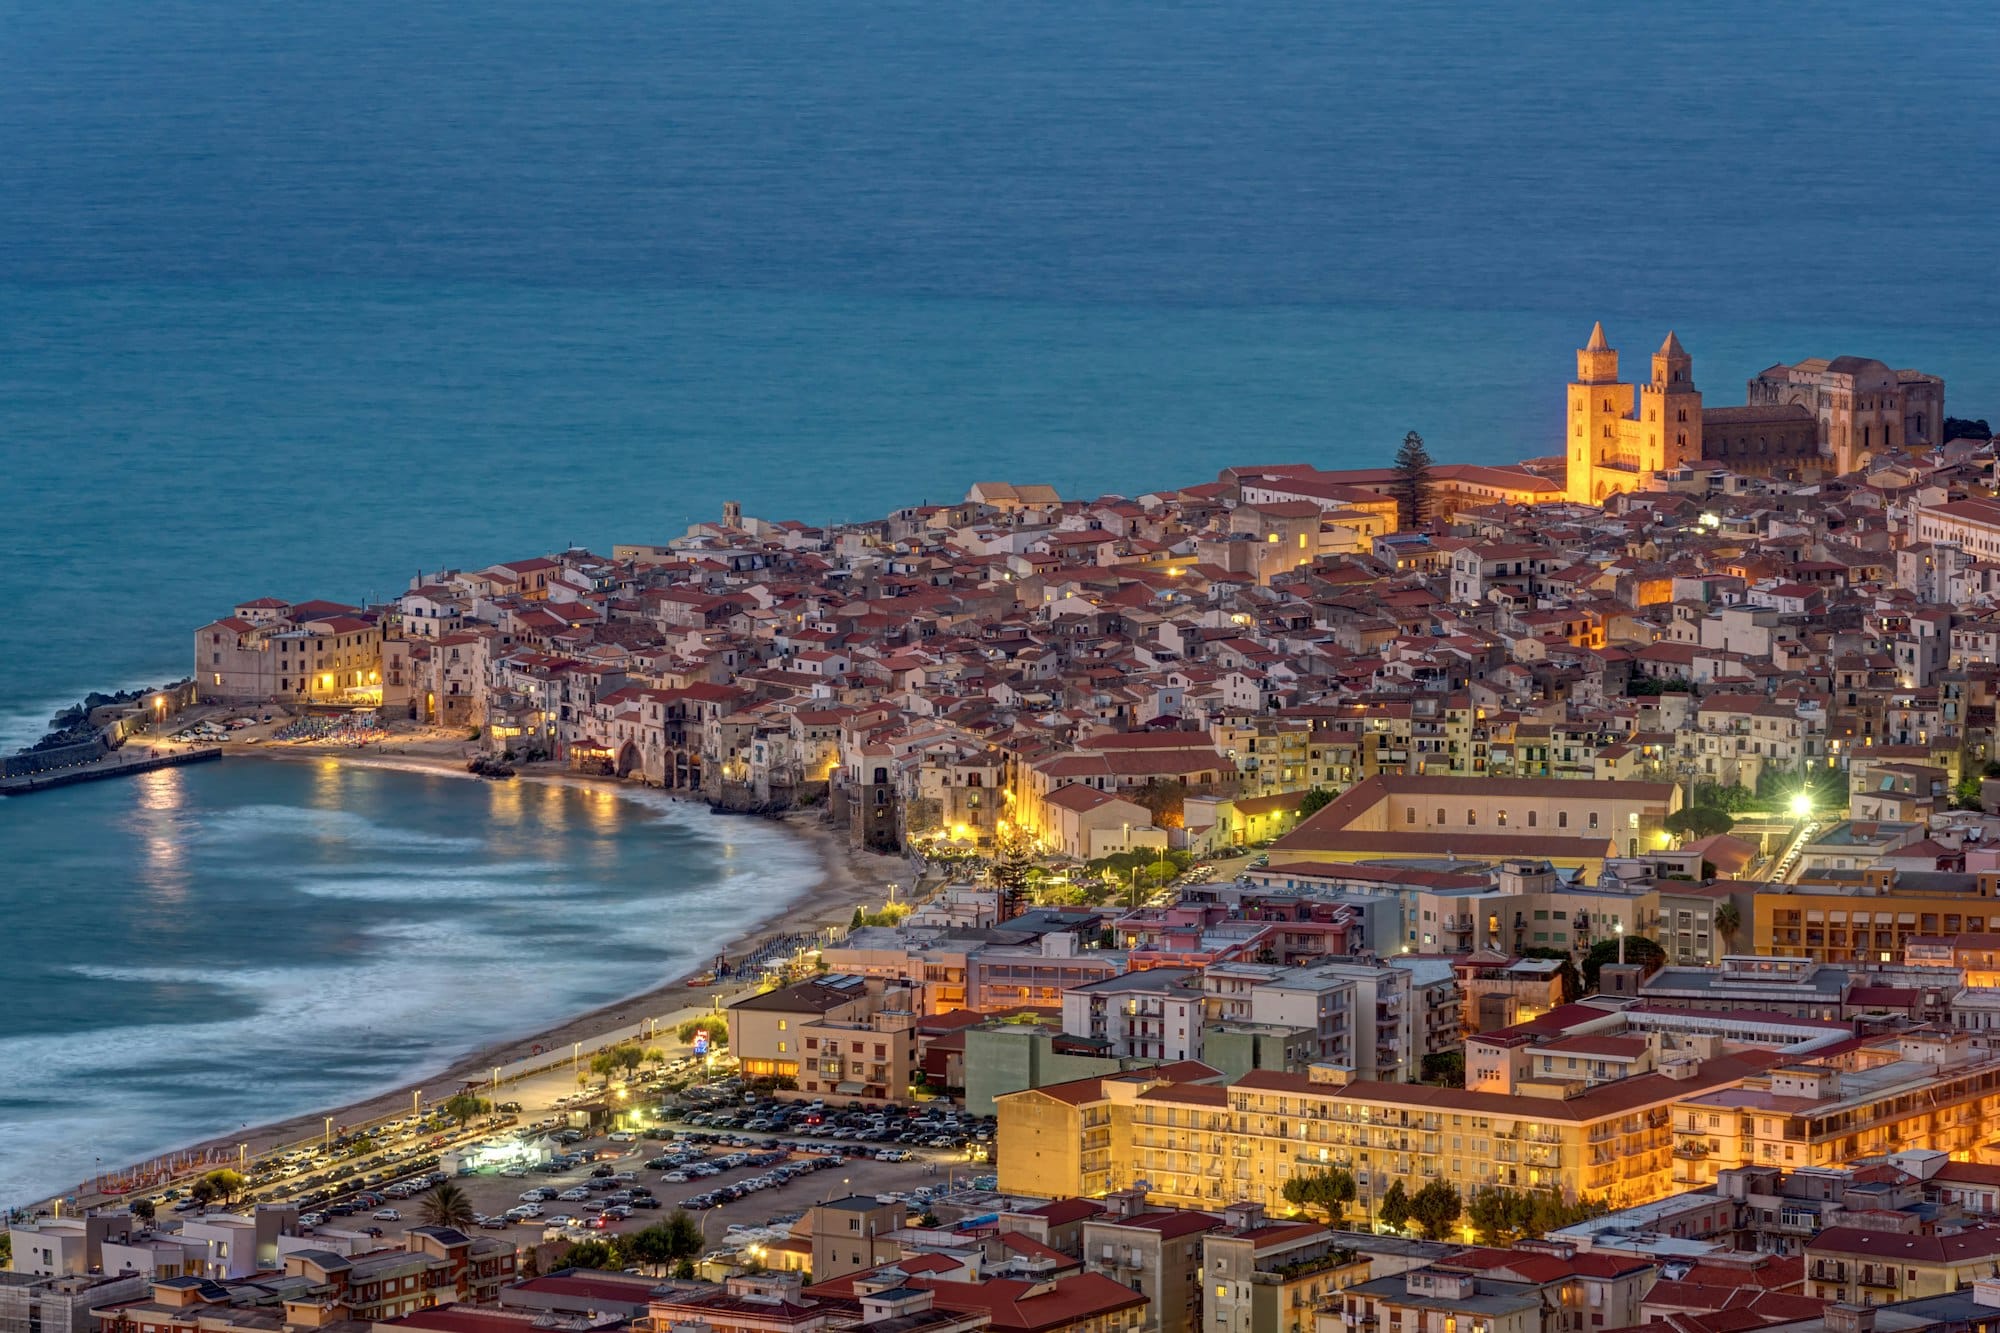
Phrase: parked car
x=387 y=1215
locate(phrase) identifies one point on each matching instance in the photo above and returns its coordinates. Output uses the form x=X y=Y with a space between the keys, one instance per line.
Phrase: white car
x=573 y=1195
x=533 y=1195
x=675 y=1178
x=528 y=1210
x=387 y=1215
x=622 y=1136
x=514 y=1172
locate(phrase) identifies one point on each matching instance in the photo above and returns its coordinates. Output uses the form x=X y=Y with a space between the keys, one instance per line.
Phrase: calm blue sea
x=299 y=299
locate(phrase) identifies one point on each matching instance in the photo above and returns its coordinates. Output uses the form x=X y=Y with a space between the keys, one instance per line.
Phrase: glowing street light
x=1802 y=804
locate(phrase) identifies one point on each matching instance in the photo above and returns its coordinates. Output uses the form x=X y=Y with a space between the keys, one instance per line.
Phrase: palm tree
x=447 y=1206
x=1727 y=922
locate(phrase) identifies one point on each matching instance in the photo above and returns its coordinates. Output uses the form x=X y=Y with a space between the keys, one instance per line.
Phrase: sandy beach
x=849 y=878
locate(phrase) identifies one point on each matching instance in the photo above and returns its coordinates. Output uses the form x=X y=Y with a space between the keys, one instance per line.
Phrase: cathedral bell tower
x=1597 y=401
x=1670 y=410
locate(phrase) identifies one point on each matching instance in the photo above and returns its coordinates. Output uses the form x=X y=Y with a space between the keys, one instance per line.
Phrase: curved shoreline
x=848 y=879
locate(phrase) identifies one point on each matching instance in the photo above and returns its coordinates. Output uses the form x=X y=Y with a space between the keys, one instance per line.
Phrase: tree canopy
x=1502 y=1216
x=1435 y=1208
x=1330 y=1190
x=1394 y=1210
x=465 y=1107
x=1315 y=800
x=1698 y=821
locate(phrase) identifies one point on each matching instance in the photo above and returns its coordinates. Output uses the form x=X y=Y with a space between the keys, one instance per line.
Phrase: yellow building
x=1615 y=441
x=1872 y=922
x=1206 y=1146
x=1569 y=824
x=1922 y=1090
x=1865 y=1267
x=1075 y=1138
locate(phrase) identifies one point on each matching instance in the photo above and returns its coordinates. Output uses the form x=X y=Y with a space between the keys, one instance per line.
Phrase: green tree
x=1394 y=1210
x=1966 y=795
x=717 y=1030
x=1315 y=800
x=684 y=1234
x=223 y=1185
x=684 y=1271
x=1498 y=1216
x=1732 y=799
x=590 y=1254
x=446 y=1205
x=142 y=1209
x=1445 y=1068
x=1329 y=1190
x=1638 y=949
x=1967 y=428
x=1013 y=858
x=1434 y=1209
x=1698 y=821
x=1412 y=487
x=464 y=1107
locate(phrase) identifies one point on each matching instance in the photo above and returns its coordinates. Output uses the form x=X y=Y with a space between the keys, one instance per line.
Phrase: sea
x=301 y=300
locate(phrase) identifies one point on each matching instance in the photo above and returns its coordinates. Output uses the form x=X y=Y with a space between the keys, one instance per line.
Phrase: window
x=1593 y=819
x=1471 y=818
x=1440 y=818
x=1562 y=819
x=1410 y=815
x=1501 y=819
x=1531 y=819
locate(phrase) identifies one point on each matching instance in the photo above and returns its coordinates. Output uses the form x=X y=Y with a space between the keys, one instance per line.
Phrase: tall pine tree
x=1412 y=487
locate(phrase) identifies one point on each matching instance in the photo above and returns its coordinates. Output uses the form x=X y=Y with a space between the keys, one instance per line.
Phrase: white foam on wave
x=477 y=886
x=245 y=822
x=424 y=993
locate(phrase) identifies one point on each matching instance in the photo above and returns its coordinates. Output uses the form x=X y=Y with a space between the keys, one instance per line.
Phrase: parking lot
x=730 y=1158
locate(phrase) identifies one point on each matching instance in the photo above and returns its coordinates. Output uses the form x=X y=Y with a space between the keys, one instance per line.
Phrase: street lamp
x=1618 y=929
x=1802 y=803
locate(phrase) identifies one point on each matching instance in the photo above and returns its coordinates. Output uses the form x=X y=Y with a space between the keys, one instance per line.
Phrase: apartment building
x=838 y=1035
x=1874 y=917
x=1937 y=1091
x=1155 y=1014
x=1273 y=1277
x=1869 y=1267
x=1156 y=1253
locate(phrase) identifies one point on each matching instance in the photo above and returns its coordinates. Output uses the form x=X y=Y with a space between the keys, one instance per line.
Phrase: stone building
x=1860 y=405
x=1619 y=432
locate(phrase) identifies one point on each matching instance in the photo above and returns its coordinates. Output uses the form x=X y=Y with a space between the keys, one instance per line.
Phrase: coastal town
x=1536 y=897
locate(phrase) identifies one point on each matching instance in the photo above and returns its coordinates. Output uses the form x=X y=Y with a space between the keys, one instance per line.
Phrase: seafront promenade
x=536 y=1081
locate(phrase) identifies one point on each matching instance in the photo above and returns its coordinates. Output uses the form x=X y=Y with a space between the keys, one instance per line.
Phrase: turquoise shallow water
x=297 y=300
x=238 y=942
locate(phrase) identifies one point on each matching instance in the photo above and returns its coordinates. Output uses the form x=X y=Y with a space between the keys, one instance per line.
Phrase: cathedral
x=1619 y=432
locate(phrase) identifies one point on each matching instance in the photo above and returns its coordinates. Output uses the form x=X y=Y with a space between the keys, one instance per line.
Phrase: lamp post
x=329 y=1133
x=1618 y=929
